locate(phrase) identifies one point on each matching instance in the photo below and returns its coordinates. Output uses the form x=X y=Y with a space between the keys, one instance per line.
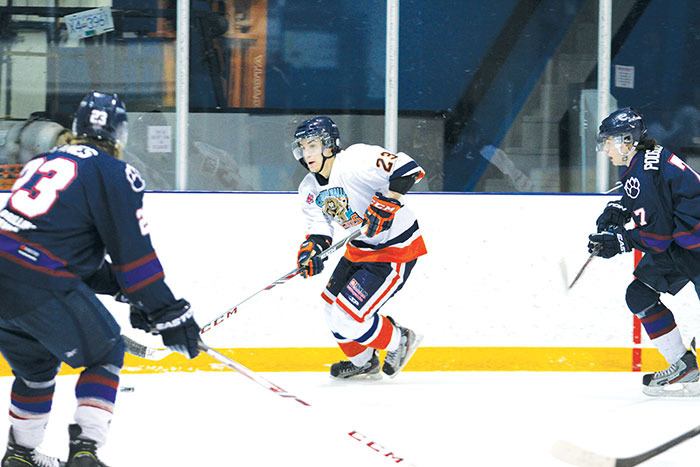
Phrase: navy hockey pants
x=39 y=328
x=671 y=270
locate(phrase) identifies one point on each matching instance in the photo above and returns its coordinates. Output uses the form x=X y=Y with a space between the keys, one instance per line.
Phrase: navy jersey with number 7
x=69 y=208
x=663 y=194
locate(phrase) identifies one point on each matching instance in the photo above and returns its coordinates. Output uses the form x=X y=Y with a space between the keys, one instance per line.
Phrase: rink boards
x=490 y=294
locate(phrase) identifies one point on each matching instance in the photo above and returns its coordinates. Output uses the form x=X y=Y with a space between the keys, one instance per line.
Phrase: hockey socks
x=381 y=334
x=96 y=392
x=30 y=404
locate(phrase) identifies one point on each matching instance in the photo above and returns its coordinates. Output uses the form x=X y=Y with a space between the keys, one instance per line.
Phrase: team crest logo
x=134 y=178
x=334 y=203
x=632 y=187
x=336 y=208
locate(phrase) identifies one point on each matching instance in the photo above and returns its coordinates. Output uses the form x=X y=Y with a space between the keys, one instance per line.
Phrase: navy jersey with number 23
x=69 y=208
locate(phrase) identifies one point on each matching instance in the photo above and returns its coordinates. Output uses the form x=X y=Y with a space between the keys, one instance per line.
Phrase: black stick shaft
x=583 y=268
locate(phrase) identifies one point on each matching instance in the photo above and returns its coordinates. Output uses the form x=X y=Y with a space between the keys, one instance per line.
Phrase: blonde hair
x=110 y=147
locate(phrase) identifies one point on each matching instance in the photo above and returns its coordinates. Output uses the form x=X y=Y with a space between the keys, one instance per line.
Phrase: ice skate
x=20 y=456
x=83 y=452
x=347 y=370
x=397 y=359
x=678 y=380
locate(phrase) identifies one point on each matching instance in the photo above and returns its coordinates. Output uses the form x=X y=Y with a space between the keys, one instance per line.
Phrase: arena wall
x=490 y=295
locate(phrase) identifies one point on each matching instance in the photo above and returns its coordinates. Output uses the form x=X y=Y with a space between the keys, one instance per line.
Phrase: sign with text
x=160 y=138
x=624 y=76
x=89 y=23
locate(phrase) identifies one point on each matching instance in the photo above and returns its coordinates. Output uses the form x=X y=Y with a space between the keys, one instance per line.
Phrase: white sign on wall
x=160 y=138
x=624 y=76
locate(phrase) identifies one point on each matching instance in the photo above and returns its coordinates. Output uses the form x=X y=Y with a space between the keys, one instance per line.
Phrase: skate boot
x=83 y=451
x=397 y=359
x=347 y=370
x=679 y=379
x=20 y=456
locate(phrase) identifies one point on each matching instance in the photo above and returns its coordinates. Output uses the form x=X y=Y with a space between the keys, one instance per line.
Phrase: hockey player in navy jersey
x=70 y=207
x=361 y=185
x=662 y=197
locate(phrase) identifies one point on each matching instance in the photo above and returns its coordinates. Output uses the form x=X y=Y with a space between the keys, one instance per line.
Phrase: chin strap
x=324 y=162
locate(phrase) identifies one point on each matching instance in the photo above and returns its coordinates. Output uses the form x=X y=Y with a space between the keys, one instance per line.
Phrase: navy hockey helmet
x=318 y=127
x=625 y=125
x=101 y=116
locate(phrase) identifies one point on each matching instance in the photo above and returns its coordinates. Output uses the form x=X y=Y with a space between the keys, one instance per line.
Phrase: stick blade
x=575 y=455
x=564 y=274
x=140 y=350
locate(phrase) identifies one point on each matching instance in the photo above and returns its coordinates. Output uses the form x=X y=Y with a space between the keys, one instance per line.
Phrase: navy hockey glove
x=614 y=214
x=139 y=319
x=177 y=327
x=609 y=243
x=306 y=257
x=121 y=297
x=380 y=214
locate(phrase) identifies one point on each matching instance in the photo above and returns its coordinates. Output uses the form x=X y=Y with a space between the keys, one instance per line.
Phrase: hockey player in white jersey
x=359 y=186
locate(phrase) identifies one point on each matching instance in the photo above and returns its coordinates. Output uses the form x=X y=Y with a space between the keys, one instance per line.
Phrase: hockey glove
x=609 y=243
x=121 y=297
x=306 y=257
x=380 y=214
x=614 y=214
x=177 y=327
x=139 y=319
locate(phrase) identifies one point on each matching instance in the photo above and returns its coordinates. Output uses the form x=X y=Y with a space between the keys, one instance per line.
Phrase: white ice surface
x=431 y=419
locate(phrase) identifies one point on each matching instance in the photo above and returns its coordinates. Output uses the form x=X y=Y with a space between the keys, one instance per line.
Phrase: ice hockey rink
x=427 y=419
x=424 y=418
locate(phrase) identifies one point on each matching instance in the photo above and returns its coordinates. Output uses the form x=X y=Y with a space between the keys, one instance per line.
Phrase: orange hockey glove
x=307 y=259
x=380 y=214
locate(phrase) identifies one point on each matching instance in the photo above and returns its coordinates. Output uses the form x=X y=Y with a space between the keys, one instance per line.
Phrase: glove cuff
x=386 y=199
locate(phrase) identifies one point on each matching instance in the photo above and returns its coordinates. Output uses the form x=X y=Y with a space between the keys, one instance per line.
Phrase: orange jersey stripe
x=387 y=255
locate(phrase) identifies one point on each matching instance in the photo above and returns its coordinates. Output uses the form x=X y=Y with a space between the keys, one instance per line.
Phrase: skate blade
x=409 y=354
x=674 y=390
x=363 y=377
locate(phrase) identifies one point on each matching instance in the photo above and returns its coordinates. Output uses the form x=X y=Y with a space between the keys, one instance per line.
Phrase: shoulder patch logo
x=310 y=198
x=632 y=187
x=134 y=178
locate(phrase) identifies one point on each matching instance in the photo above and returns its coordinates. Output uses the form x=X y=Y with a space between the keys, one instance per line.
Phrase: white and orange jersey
x=358 y=173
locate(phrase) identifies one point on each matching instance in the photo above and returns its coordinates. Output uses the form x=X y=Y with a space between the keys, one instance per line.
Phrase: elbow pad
x=402 y=184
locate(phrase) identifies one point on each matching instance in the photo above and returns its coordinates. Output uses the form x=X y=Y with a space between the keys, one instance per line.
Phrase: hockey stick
x=159 y=353
x=137 y=349
x=248 y=373
x=575 y=455
x=232 y=311
x=595 y=251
